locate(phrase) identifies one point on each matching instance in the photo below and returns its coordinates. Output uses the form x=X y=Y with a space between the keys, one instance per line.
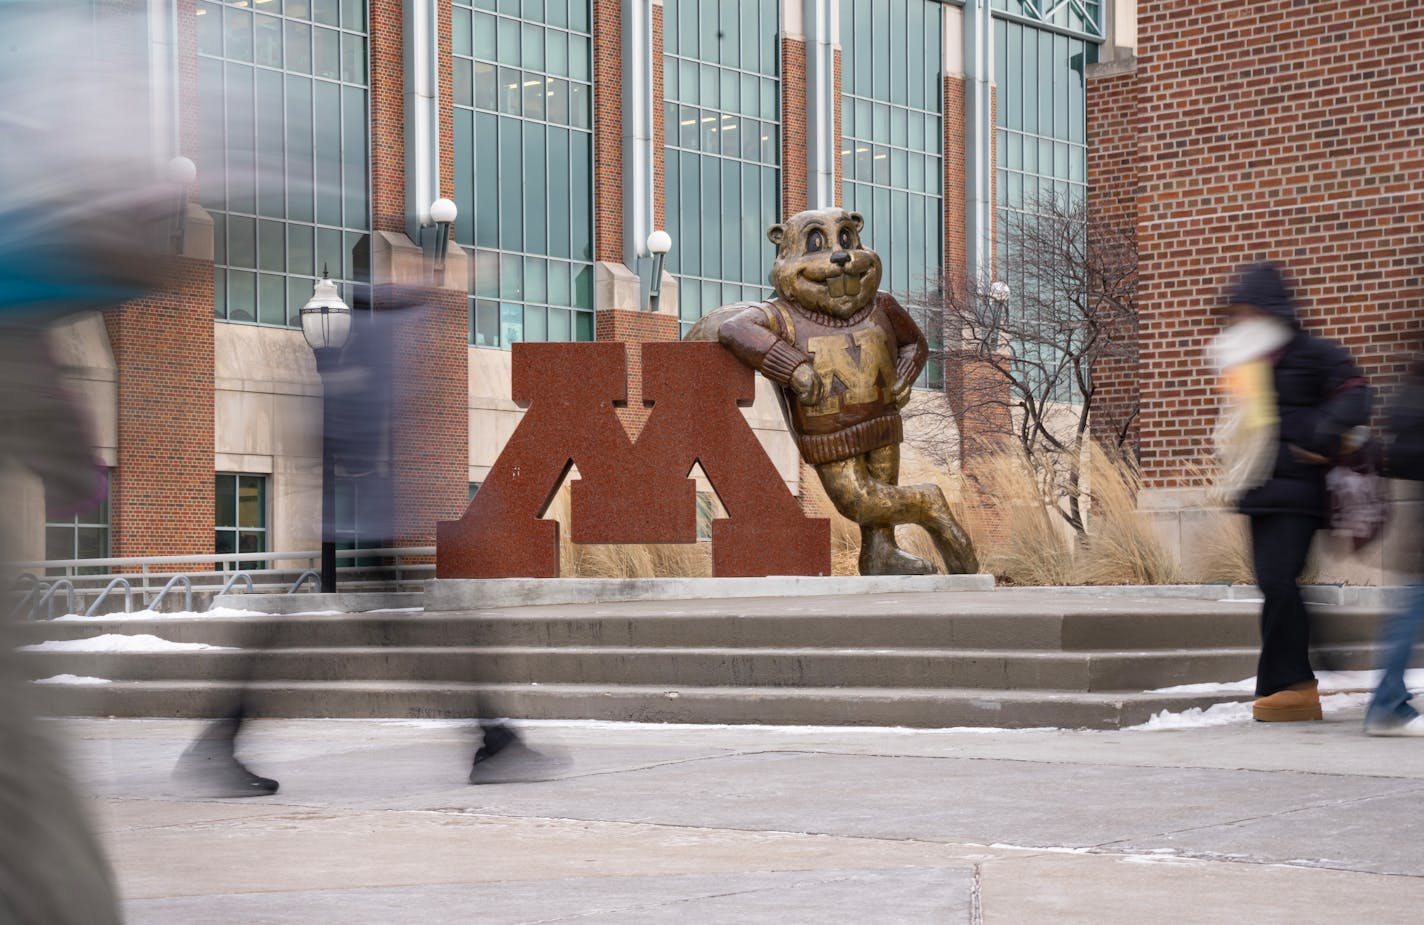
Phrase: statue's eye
x=847 y=239
x=815 y=241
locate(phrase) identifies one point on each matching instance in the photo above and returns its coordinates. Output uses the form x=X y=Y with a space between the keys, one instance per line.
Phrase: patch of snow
x=73 y=679
x=1227 y=714
x=1219 y=714
x=118 y=642
x=161 y=615
x=1330 y=681
x=398 y=610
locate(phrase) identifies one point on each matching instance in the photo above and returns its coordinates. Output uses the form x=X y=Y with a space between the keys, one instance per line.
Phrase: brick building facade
x=1218 y=133
x=1227 y=133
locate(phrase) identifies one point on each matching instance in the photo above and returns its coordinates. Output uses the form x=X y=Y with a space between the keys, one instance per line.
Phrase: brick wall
x=634 y=328
x=659 y=129
x=387 y=77
x=1282 y=130
x=836 y=159
x=161 y=496
x=793 y=127
x=608 y=130
x=430 y=437
x=1113 y=125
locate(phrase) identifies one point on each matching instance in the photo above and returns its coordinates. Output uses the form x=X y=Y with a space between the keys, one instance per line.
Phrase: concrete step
x=1003 y=658
x=613 y=666
x=724 y=624
x=911 y=707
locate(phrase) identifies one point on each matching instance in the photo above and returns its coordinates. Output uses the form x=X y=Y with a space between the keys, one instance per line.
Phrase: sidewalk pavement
x=375 y=823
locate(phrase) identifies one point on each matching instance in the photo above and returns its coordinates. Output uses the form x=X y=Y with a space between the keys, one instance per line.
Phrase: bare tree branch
x=1031 y=367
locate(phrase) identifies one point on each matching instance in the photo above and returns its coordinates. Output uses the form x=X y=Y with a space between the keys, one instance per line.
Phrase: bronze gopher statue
x=845 y=356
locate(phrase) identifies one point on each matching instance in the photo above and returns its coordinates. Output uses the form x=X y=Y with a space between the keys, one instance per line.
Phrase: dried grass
x=1121 y=547
x=1226 y=550
x=1038 y=549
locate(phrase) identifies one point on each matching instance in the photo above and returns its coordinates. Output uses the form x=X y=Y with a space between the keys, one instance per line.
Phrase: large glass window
x=722 y=119
x=240 y=515
x=1081 y=16
x=285 y=153
x=523 y=88
x=78 y=536
x=892 y=130
x=1042 y=168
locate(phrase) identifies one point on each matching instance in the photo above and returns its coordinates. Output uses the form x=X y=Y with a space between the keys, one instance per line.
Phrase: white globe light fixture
x=182 y=171
x=443 y=213
x=999 y=291
x=659 y=243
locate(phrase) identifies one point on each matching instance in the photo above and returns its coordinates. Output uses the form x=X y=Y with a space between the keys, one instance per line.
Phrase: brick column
x=161 y=496
x=608 y=129
x=836 y=91
x=428 y=326
x=659 y=128
x=387 y=78
x=634 y=328
x=1113 y=126
x=793 y=126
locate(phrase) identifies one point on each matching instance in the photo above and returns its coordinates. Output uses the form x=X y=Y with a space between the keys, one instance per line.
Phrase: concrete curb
x=442 y=594
x=341 y=601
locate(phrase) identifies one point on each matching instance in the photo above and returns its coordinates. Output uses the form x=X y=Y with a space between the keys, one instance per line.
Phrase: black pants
x=1280 y=544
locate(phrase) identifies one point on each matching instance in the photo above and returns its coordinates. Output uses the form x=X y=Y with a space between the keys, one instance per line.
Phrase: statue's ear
x=775 y=233
x=858 y=221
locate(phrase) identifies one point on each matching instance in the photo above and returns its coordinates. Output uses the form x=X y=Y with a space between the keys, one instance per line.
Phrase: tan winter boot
x=1295 y=703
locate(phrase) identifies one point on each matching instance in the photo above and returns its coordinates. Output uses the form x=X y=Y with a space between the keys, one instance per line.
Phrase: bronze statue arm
x=750 y=337
x=753 y=338
x=912 y=351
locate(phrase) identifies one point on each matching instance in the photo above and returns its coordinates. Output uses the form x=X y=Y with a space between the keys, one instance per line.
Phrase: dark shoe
x=220 y=777
x=1294 y=704
x=497 y=737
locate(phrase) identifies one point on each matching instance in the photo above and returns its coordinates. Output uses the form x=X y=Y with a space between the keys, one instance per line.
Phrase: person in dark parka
x=1320 y=395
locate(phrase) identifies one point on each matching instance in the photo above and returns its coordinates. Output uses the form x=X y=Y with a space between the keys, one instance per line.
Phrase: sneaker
x=1294 y=704
x=1414 y=726
x=220 y=777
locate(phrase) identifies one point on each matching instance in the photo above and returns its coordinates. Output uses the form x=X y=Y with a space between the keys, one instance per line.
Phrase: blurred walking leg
x=1390 y=712
x=1280 y=544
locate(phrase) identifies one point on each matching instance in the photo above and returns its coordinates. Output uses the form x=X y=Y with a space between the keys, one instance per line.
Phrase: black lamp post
x=326 y=324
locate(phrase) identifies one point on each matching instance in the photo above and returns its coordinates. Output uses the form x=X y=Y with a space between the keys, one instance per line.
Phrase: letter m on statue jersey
x=631 y=492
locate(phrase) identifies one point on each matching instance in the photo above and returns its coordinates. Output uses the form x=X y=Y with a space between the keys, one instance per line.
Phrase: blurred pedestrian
x=52 y=871
x=1306 y=394
x=1390 y=713
x=82 y=220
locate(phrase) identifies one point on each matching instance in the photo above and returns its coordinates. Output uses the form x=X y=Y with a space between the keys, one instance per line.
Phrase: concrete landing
x=1300 y=823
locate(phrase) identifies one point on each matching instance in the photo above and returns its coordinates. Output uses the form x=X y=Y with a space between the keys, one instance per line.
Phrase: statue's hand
x=808 y=385
x=901 y=391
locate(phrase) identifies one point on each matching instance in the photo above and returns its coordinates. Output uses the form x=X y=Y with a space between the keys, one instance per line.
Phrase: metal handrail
x=187 y=592
x=233 y=580
x=314 y=576
x=228 y=557
x=63 y=584
x=128 y=595
x=36 y=589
